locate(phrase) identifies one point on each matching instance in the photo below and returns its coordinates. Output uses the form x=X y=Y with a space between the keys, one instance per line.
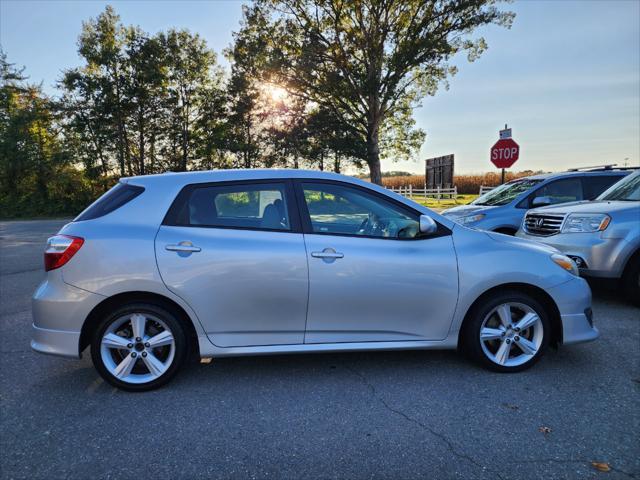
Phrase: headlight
x=585 y=222
x=565 y=262
x=471 y=218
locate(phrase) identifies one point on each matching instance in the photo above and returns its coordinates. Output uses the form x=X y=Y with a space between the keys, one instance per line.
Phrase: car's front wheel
x=631 y=280
x=139 y=347
x=507 y=332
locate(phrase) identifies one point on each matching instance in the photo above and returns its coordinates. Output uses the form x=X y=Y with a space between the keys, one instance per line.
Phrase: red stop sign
x=505 y=153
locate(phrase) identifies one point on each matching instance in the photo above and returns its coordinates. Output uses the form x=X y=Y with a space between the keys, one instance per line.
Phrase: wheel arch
x=120 y=299
x=536 y=292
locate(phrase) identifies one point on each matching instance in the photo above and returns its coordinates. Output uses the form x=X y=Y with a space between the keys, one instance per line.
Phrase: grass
x=444 y=202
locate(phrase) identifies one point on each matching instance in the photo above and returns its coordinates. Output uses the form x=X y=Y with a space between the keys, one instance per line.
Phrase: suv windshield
x=627 y=189
x=505 y=193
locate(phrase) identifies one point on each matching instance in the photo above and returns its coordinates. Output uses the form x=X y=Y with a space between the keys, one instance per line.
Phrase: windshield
x=627 y=189
x=505 y=193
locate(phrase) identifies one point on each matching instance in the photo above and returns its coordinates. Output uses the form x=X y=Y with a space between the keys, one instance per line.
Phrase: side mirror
x=541 y=202
x=428 y=226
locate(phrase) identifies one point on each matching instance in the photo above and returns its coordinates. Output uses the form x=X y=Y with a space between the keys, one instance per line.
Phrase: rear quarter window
x=596 y=184
x=115 y=198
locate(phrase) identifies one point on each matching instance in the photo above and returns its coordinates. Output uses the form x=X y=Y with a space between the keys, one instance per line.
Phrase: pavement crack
x=450 y=446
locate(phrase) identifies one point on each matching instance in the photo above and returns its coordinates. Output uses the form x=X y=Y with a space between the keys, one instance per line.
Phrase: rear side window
x=246 y=206
x=596 y=184
x=118 y=196
x=562 y=191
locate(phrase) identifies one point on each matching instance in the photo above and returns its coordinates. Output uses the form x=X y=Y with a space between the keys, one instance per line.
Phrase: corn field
x=467 y=184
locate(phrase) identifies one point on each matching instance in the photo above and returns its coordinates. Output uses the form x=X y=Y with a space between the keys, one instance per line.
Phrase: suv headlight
x=585 y=222
x=471 y=218
x=566 y=263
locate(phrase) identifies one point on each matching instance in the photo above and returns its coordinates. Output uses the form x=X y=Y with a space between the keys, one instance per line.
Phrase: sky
x=565 y=77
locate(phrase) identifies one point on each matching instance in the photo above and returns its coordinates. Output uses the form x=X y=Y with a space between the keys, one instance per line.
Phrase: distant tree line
x=312 y=83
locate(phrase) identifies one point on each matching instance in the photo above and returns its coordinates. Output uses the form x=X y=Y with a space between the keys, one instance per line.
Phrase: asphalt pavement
x=398 y=415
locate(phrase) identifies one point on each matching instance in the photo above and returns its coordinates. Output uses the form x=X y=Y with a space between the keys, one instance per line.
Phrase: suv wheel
x=139 y=347
x=508 y=332
x=631 y=280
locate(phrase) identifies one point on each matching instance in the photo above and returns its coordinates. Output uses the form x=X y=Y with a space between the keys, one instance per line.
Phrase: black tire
x=169 y=318
x=631 y=280
x=472 y=345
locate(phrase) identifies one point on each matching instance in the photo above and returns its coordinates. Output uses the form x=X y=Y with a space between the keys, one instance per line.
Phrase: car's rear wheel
x=508 y=332
x=139 y=347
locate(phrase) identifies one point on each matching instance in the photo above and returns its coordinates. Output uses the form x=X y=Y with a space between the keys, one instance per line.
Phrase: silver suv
x=502 y=209
x=252 y=262
x=602 y=237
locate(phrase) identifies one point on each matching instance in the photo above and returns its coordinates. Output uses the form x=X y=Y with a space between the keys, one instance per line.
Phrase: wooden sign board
x=439 y=172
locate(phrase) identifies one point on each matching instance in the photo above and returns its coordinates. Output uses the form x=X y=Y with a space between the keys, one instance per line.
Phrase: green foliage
x=36 y=175
x=369 y=62
x=312 y=83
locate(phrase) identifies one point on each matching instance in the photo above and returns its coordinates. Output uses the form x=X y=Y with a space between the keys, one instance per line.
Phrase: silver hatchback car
x=249 y=262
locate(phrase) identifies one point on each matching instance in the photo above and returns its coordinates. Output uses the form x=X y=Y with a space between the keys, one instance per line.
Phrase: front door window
x=342 y=210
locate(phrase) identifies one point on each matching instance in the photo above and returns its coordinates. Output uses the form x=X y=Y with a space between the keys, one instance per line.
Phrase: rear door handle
x=183 y=247
x=327 y=253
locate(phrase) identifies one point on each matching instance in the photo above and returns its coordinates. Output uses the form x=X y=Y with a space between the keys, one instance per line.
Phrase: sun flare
x=276 y=93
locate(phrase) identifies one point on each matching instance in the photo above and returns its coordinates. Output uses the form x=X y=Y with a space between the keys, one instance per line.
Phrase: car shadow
x=608 y=290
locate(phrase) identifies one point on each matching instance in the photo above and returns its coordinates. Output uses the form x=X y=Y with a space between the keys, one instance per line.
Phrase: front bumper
x=599 y=254
x=59 y=311
x=573 y=299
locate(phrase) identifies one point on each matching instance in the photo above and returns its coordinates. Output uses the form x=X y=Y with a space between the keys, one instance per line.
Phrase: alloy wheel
x=137 y=348
x=511 y=334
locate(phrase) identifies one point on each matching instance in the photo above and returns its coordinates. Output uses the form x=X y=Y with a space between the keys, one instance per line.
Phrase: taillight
x=60 y=249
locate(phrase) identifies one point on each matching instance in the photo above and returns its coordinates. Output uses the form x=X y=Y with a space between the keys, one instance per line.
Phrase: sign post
x=505 y=152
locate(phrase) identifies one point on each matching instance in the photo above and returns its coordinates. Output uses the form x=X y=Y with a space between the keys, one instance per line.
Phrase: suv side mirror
x=541 y=201
x=428 y=226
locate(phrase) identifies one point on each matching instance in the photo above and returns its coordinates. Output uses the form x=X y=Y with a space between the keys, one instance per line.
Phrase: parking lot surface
x=400 y=415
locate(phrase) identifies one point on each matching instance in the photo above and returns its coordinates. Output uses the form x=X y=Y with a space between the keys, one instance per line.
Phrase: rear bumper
x=59 y=311
x=55 y=342
x=573 y=299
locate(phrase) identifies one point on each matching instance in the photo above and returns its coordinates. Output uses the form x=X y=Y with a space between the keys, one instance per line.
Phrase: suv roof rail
x=608 y=166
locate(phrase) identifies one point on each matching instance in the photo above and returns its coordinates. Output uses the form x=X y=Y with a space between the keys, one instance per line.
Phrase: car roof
x=572 y=173
x=205 y=176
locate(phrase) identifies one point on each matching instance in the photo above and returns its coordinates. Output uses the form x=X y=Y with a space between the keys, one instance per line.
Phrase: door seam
x=306 y=318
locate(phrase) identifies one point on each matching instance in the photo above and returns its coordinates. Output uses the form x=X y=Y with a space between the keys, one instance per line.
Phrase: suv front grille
x=543 y=224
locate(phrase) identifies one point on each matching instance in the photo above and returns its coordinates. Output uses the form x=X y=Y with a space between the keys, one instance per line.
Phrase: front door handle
x=328 y=253
x=183 y=247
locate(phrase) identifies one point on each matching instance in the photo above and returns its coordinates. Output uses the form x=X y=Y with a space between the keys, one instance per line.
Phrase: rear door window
x=115 y=198
x=562 y=191
x=246 y=206
x=594 y=185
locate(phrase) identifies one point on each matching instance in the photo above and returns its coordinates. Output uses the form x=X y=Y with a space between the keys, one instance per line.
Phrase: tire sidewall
x=473 y=345
x=176 y=330
x=630 y=280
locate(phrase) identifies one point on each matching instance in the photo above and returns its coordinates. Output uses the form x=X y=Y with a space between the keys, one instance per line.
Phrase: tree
x=34 y=164
x=191 y=74
x=145 y=89
x=101 y=45
x=243 y=94
x=369 y=62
